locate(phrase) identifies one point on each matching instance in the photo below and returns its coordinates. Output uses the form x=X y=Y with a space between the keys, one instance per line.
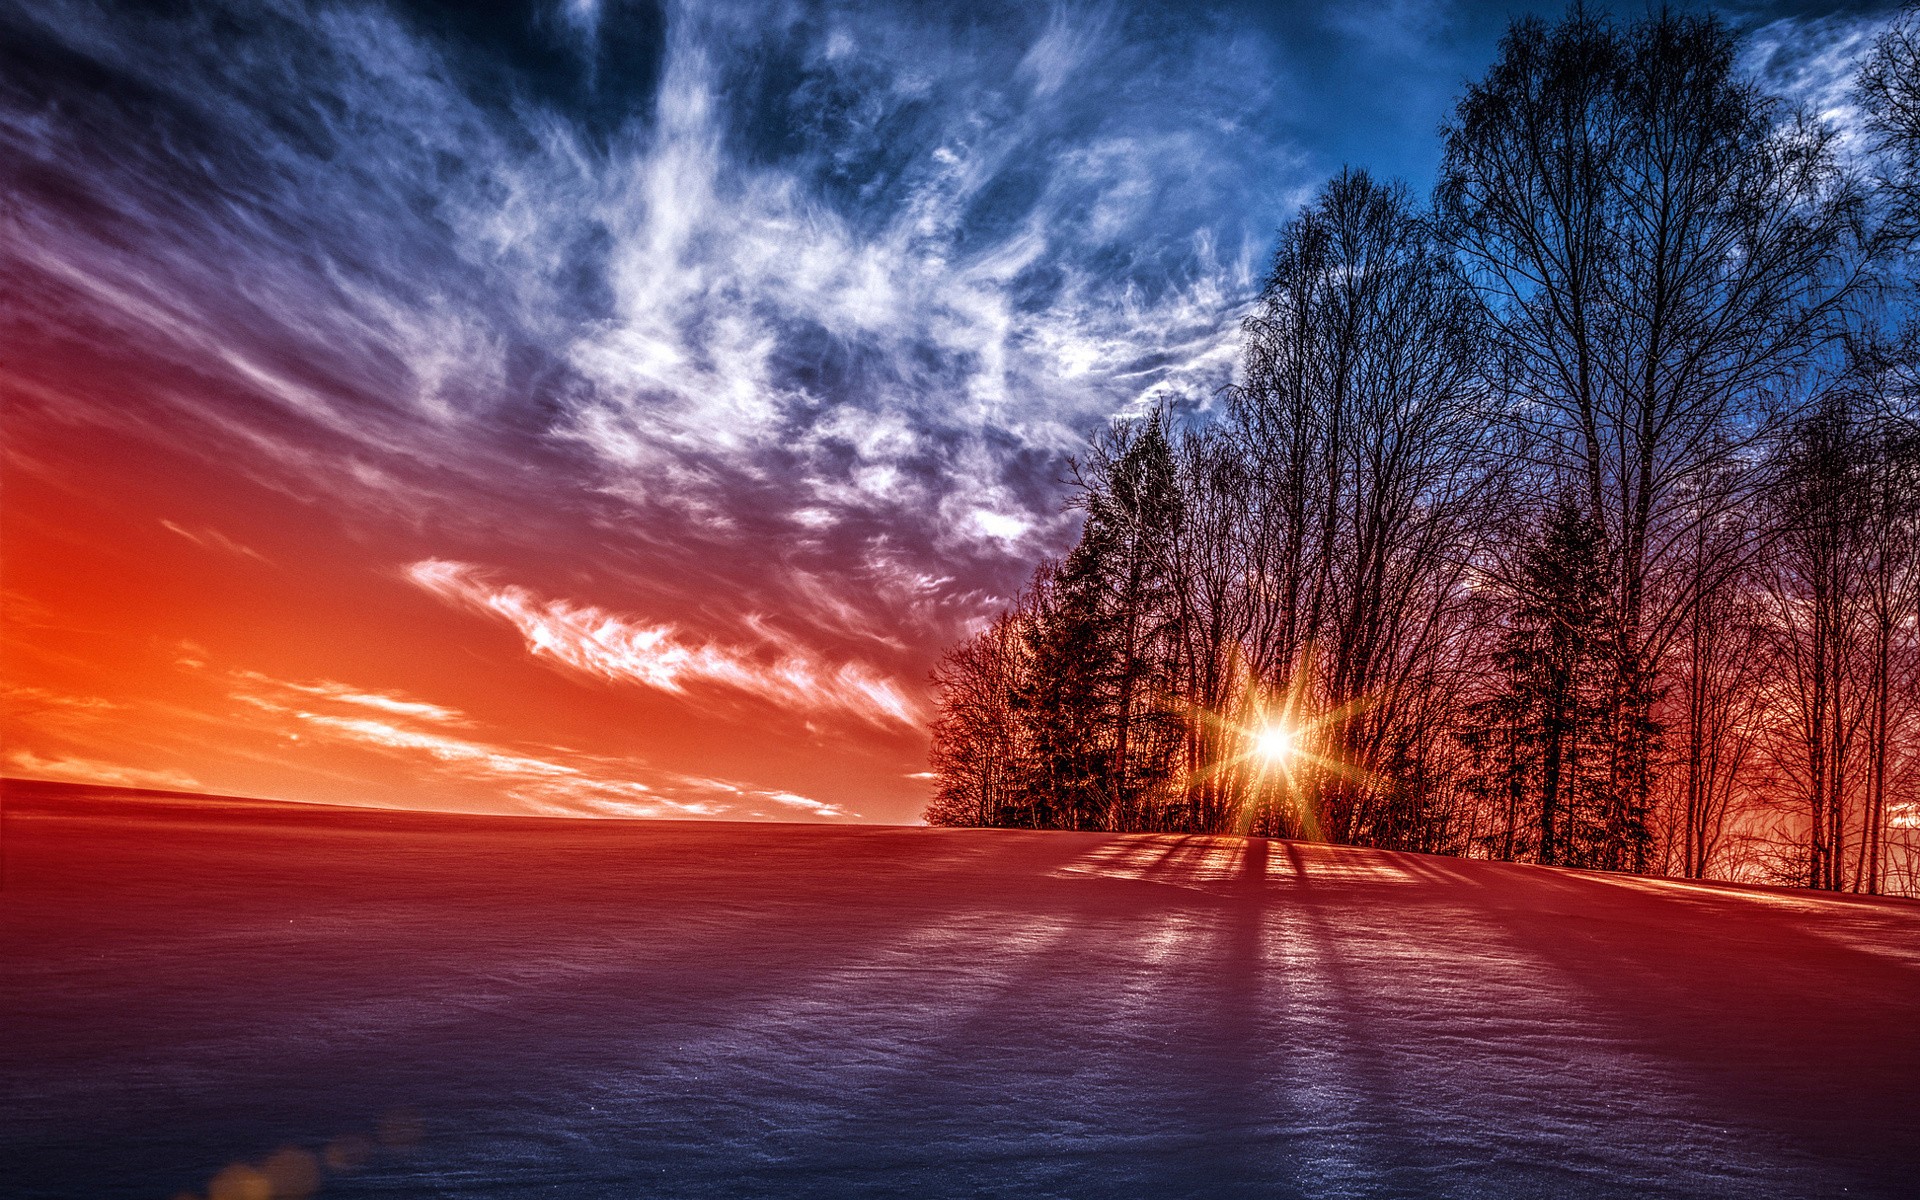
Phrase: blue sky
x=772 y=324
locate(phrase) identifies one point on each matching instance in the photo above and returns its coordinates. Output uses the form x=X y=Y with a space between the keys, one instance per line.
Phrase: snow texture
x=539 y=1007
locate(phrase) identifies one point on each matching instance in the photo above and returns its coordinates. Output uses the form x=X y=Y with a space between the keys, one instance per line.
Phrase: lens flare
x=1275 y=754
x=1274 y=743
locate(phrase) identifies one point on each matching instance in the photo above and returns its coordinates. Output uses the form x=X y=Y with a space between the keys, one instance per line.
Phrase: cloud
x=869 y=272
x=87 y=770
x=806 y=804
x=388 y=702
x=582 y=16
x=1814 y=62
x=1010 y=268
x=661 y=656
x=213 y=539
x=736 y=794
x=551 y=780
x=29 y=699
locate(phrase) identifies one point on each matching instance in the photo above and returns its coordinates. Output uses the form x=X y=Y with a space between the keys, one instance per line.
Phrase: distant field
x=468 y=1006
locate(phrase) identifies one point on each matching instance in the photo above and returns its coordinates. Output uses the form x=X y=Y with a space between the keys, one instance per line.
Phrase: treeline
x=1572 y=516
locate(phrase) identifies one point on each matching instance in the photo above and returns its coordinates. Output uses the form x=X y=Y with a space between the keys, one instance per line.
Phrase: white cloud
x=660 y=655
x=806 y=804
x=546 y=779
x=892 y=289
x=387 y=702
x=1005 y=527
x=88 y=770
x=1814 y=62
x=213 y=539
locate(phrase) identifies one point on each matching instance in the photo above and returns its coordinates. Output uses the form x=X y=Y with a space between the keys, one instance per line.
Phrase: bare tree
x=980 y=751
x=1363 y=410
x=1889 y=86
x=1214 y=555
x=1715 y=663
x=1576 y=520
x=1658 y=245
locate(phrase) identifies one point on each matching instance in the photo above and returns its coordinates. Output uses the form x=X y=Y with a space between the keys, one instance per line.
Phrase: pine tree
x=1096 y=702
x=1061 y=699
x=1132 y=514
x=1543 y=733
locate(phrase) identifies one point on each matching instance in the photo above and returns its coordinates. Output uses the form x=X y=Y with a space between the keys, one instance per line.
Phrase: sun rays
x=1280 y=750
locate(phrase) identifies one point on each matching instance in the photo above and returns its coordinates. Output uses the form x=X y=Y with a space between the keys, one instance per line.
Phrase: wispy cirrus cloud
x=1813 y=61
x=552 y=780
x=817 y=288
x=19 y=698
x=763 y=803
x=75 y=769
x=776 y=322
x=341 y=693
x=615 y=648
x=979 y=236
x=212 y=539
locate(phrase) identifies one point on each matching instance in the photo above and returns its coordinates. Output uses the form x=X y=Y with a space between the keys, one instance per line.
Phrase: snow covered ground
x=465 y=1006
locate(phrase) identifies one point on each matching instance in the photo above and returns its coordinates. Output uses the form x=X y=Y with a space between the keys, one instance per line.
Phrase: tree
x=1716 y=664
x=1133 y=510
x=1544 y=735
x=1889 y=86
x=1844 y=576
x=1363 y=409
x=1095 y=697
x=1214 y=553
x=980 y=751
x=1575 y=519
x=1892 y=584
x=1815 y=561
x=1659 y=247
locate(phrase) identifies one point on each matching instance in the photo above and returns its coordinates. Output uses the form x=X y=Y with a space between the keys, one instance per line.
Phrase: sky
x=615 y=409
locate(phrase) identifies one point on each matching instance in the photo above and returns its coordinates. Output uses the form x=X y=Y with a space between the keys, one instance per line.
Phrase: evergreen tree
x=1060 y=701
x=1544 y=735
x=1096 y=703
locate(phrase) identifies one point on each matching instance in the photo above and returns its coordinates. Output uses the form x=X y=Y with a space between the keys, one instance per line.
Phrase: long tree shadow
x=1739 y=1047
x=881 y=1012
x=494 y=1035
x=1123 y=1059
x=1377 y=1133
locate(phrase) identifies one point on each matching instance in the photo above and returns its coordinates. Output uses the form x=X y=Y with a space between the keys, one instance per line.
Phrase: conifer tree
x=1547 y=726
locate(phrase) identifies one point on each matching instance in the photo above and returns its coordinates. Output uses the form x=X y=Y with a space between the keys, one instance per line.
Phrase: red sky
x=170 y=623
x=604 y=418
x=413 y=406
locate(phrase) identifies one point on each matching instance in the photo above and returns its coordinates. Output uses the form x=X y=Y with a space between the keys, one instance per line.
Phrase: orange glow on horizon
x=167 y=625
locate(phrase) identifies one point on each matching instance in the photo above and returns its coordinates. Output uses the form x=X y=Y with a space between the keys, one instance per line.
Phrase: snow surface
x=609 y=1009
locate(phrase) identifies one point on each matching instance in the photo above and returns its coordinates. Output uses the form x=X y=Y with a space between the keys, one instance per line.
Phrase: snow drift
x=203 y=993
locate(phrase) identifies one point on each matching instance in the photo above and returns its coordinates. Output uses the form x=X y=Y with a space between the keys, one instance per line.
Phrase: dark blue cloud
x=783 y=309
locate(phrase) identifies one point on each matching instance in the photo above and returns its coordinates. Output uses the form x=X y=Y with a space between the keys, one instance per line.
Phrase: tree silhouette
x=1574 y=519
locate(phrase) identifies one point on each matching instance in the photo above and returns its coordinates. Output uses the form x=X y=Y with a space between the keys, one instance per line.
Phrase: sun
x=1274 y=743
x=1277 y=751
